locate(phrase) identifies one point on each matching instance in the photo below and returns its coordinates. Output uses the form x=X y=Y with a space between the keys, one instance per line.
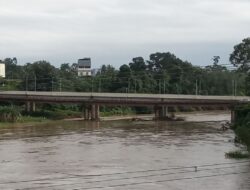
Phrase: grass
x=237 y=154
x=23 y=120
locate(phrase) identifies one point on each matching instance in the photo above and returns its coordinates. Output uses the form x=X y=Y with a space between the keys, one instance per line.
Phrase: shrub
x=9 y=114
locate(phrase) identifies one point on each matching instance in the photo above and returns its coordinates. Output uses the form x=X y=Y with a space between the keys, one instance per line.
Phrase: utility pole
x=92 y=84
x=99 y=89
x=135 y=85
x=200 y=87
x=164 y=87
x=52 y=84
x=233 y=87
x=26 y=83
x=159 y=86
x=196 y=87
x=60 y=85
x=128 y=84
x=35 y=82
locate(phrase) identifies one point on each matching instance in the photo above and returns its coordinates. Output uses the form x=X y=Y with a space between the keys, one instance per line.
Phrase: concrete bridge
x=160 y=102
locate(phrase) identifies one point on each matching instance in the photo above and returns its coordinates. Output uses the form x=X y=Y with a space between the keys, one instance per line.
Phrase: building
x=84 y=67
x=2 y=69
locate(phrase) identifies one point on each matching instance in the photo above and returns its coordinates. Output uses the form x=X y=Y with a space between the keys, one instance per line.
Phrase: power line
x=134 y=172
x=167 y=180
x=145 y=176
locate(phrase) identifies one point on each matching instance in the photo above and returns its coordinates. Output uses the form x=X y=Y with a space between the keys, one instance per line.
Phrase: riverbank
x=199 y=116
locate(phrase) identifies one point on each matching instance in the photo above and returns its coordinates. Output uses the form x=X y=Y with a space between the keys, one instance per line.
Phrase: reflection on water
x=119 y=155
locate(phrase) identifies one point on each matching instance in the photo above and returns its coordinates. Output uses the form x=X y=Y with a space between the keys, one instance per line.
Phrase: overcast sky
x=115 y=31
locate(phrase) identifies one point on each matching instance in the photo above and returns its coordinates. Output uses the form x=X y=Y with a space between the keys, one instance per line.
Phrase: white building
x=84 y=67
x=2 y=69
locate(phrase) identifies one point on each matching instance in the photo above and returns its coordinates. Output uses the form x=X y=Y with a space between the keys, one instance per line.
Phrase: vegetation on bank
x=238 y=154
x=9 y=114
x=242 y=124
x=242 y=131
x=16 y=114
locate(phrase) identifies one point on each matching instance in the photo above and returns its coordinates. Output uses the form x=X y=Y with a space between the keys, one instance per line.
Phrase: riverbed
x=138 y=155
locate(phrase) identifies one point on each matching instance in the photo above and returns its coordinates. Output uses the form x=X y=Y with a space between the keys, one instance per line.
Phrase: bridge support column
x=30 y=106
x=97 y=112
x=27 y=106
x=164 y=112
x=33 y=106
x=86 y=114
x=233 y=117
x=93 y=112
x=157 y=113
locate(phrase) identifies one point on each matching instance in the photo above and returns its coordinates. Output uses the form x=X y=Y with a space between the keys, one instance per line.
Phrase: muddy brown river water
x=138 y=155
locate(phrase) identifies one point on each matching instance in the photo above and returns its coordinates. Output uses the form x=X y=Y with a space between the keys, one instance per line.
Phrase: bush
x=237 y=154
x=9 y=114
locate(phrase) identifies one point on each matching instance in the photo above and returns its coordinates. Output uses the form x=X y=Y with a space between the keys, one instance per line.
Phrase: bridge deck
x=120 y=98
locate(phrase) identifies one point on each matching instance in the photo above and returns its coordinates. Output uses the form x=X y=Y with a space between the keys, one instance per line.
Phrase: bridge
x=160 y=102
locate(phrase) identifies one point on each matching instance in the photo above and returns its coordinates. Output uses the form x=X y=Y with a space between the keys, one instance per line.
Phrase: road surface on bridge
x=120 y=98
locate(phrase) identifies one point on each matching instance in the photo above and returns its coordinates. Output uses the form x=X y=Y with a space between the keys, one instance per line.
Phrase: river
x=138 y=155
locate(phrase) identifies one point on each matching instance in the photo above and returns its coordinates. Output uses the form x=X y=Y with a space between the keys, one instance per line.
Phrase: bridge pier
x=86 y=113
x=92 y=112
x=27 y=106
x=97 y=112
x=161 y=112
x=233 y=116
x=30 y=106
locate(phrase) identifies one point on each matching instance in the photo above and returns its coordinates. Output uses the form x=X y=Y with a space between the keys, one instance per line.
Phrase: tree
x=216 y=60
x=41 y=74
x=241 y=55
x=137 y=64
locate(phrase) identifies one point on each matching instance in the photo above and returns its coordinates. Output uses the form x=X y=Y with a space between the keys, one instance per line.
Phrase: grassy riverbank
x=242 y=131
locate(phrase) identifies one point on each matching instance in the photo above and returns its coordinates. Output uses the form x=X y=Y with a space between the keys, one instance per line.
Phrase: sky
x=115 y=31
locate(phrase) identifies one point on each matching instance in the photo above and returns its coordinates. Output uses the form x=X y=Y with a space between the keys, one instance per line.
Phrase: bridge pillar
x=97 y=112
x=93 y=112
x=164 y=112
x=86 y=114
x=233 y=116
x=157 y=112
x=27 y=106
x=33 y=106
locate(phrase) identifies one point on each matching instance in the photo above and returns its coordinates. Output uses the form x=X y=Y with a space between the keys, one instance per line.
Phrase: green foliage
x=163 y=73
x=237 y=154
x=242 y=124
x=107 y=111
x=241 y=54
x=9 y=114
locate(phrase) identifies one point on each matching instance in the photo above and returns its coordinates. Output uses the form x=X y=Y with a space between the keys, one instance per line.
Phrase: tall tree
x=241 y=54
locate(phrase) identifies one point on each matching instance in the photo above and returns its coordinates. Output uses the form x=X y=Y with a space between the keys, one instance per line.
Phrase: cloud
x=111 y=31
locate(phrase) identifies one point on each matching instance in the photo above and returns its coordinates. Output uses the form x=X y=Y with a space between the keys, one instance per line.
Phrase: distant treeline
x=162 y=73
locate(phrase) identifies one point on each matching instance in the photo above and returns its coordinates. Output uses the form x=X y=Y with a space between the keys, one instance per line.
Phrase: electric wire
x=133 y=172
x=143 y=176
x=162 y=181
